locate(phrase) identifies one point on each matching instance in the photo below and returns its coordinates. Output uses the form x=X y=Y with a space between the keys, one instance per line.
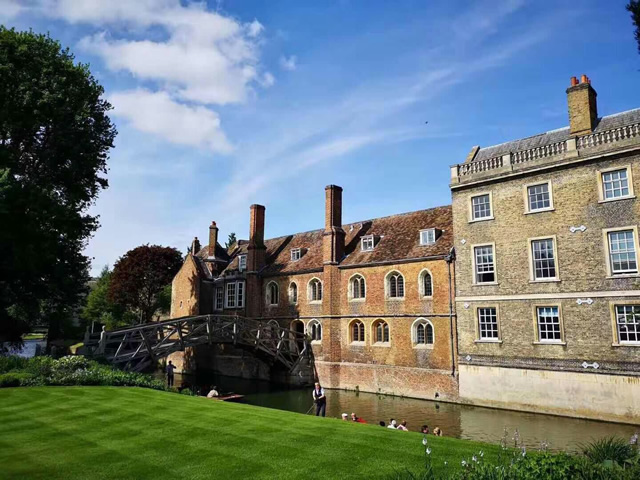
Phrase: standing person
x=320 y=400
x=169 y=369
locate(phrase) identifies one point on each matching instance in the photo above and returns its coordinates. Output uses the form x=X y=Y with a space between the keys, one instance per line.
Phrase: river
x=460 y=421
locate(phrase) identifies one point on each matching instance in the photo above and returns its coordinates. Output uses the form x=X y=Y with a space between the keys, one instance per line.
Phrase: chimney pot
x=195 y=246
x=583 y=78
x=574 y=81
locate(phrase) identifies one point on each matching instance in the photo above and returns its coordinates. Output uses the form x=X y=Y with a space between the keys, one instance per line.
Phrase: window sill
x=426 y=297
x=624 y=344
x=315 y=302
x=357 y=300
x=623 y=275
x=541 y=210
x=484 y=284
x=272 y=305
x=550 y=343
x=546 y=280
x=483 y=219
x=382 y=344
x=316 y=342
x=357 y=344
x=487 y=341
x=423 y=346
x=395 y=299
x=628 y=197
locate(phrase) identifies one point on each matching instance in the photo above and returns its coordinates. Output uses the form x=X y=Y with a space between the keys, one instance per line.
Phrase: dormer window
x=428 y=236
x=367 y=243
x=242 y=263
x=295 y=254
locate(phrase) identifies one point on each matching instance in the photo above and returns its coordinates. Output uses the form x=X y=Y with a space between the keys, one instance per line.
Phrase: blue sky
x=227 y=103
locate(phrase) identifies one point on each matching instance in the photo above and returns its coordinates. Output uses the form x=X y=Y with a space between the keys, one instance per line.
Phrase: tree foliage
x=231 y=241
x=633 y=7
x=99 y=307
x=55 y=137
x=139 y=278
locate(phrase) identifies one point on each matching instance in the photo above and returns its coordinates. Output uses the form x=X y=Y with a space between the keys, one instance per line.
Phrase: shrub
x=14 y=379
x=8 y=364
x=613 y=449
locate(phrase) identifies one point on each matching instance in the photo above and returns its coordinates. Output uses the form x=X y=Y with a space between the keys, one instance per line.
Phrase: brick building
x=375 y=297
x=547 y=279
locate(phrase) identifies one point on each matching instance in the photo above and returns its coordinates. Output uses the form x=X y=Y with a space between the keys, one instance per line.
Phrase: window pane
x=231 y=295
x=485 y=271
x=429 y=329
x=420 y=333
x=385 y=331
x=622 y=252
x=539 y=197
x=544 y=265
x=628 y=323
x=615 y=184
x=240 y=294
x=480 y=207
x=488 y=323
x=548 y=324
x=427 y=286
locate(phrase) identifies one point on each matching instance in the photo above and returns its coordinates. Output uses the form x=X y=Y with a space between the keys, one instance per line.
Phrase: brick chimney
x=583 y=108
x=333 y=237
x=195 y=246
x=213 y=240
x=256 y=250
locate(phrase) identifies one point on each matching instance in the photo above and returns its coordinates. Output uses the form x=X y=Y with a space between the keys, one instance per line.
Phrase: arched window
x=314 y=330
x=357 y=331
x=381 y=332
x=423 y=334
x=395 y=285
x=273 y=330
x=272 y=293
x=293 y=293
x=357 y=287
x=426 y=283
x=315 y=290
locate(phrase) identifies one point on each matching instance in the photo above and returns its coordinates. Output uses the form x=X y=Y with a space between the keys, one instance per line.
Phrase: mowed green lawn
x=118 y=433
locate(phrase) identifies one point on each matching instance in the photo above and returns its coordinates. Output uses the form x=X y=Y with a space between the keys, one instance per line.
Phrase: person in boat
x=392 y=424
x=213 y=392
x=403 y=426
x=424 y=429
x=169 y=369
x=382 y=424
x=320 y=400
x=345 y=417
x=355 y=418
x=437 y=432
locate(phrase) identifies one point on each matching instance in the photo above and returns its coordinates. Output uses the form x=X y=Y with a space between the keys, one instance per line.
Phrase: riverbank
x=110 y=432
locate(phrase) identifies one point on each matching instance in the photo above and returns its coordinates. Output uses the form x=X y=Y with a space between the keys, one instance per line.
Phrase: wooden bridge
x=137 y=347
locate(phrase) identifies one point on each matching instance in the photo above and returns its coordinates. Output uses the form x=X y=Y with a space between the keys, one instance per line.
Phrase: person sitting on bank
x=320 y=400
x=169 y=369
x=424 y=429
x=437 y=432
x=403 y=426
x=355 y=418
x=392 y=424
x=345 y=417
x=213 y=392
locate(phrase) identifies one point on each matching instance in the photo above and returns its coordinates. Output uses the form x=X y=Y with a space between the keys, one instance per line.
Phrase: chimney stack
x=256 y=250
x=195 y=246
x=583 y=108
x=213 y=240
x=333 y=237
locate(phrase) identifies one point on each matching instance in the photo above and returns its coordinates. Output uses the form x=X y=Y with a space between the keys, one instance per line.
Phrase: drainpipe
x=450 y=258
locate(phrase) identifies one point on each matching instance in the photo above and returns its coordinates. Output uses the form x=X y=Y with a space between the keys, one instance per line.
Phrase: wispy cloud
x=289 y=63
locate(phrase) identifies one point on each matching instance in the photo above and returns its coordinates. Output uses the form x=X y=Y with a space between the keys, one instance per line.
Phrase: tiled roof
x=605 y=123
x=396 y=239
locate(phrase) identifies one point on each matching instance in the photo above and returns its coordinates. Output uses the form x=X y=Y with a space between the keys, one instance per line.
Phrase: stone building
x=374 y=297
x=547 y=279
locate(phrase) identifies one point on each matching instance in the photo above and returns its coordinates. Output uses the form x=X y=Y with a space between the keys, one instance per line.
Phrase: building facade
x=547 y=279
x=374 y=297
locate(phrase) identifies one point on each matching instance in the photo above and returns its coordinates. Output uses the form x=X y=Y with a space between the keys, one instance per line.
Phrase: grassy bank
x=110 y=432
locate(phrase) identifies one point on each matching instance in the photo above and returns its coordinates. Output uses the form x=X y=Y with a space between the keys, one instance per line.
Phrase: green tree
x=139 y=278
x=633 y=7
x=99 y=308
x=55 y=137
x=231 y=241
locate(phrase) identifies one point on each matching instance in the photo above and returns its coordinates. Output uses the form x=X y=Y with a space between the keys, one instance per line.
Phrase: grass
x=121 y=432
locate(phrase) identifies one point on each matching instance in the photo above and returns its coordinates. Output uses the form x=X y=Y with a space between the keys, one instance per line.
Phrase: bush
x=613 y=449
x=8 y=364
x=14 y=379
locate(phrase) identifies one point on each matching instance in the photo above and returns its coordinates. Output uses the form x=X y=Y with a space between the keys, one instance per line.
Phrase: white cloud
x=158 y=114
x=10 y=9
x=255 y=28
x=289 y=64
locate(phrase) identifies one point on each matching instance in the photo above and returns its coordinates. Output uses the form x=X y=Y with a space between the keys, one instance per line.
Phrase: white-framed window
x=234 y=297
x=488 y=323
x=242 y=263
x=314 y=329
x=315 y=290
x=615 y=184
x=422 y=333
x=539 y=197
x=481 y=207
x=273 y=293
x=484 y=264
x=357 y=287
x=367 y=243
x=622 y=246
x=219 y=302
x=543 y=259
x=628 y=324
x=356 y=332
x=296 y=253
x=380 y=332
x=425 y=281
x=395 y=285
x=428 y=236
x=549 y=325
x=293 y=293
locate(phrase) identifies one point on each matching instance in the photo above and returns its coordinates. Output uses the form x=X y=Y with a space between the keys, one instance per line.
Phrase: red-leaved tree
x=139 y=277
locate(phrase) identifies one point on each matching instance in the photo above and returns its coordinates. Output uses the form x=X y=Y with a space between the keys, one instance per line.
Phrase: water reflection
x=30 y=348
x=460 y=421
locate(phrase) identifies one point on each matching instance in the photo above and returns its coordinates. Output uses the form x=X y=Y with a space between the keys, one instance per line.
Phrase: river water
x=460 y=421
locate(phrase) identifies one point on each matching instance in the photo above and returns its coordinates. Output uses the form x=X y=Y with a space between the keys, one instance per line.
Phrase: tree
x=633 y=7
x=139 y=278
x=99 y=307
x=231 y=241
x=55 y=137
